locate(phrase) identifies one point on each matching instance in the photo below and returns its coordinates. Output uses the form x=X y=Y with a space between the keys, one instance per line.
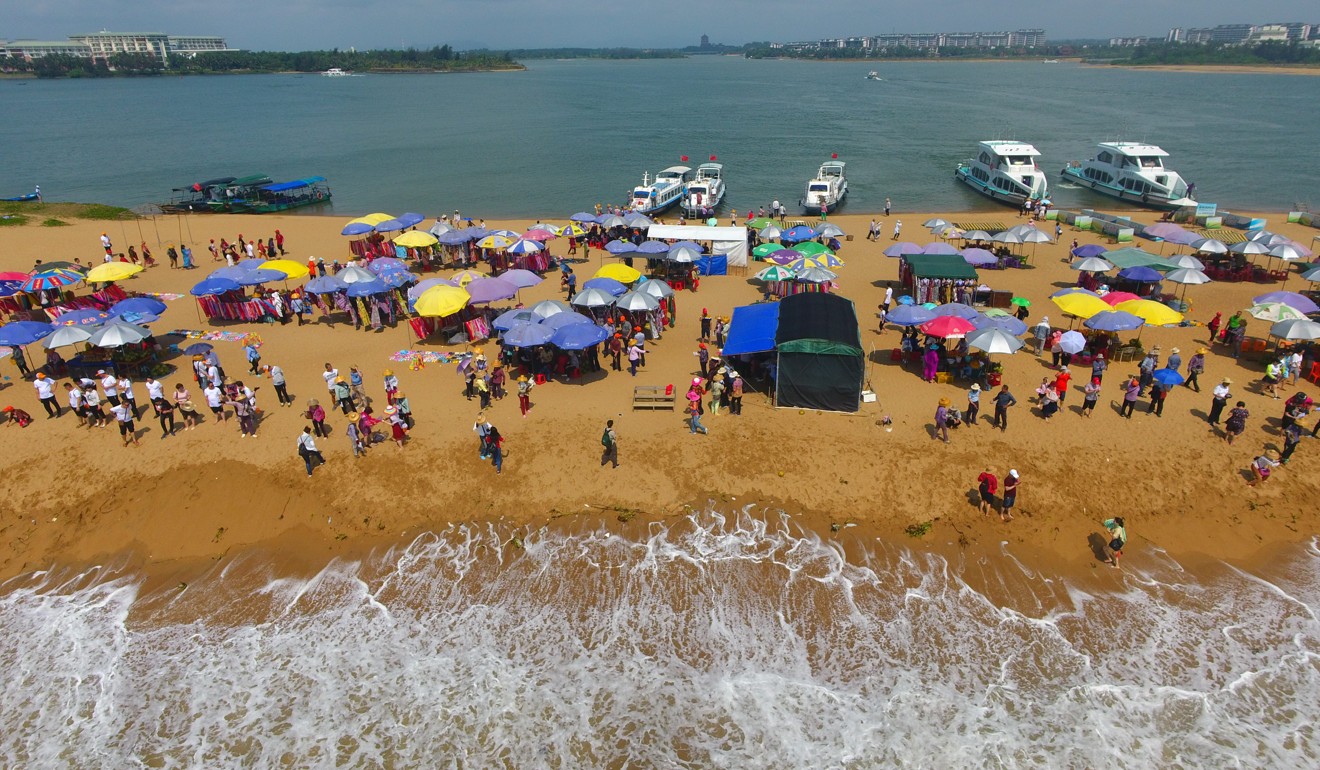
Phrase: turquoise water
x=564 y=135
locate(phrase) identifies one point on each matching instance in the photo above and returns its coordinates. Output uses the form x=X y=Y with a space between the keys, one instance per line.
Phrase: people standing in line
x=941 y=421
x=123 y=413
x=610 y=441
x=615 y=348
x=125 y=388
x=987 y=485
x=634 y=357
x=92 y=405
x=1003 y=400
x=75 y=397
x=1221 y=395
x=1295 y=366
x=1117 y=539
x=1011 y=483
x=165 y=414
x=1195 y=367
x=1061 y=383
x=1271 y=379
x=1130 y=395
x=215 y=401
x=246 y=414
x=307 y=450
x=1236 y=422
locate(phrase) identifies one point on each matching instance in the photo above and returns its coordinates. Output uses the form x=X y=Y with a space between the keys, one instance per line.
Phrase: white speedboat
x=1004 y=171
x=335 y=72
x=1132 y=172
x=651 y=197
x=706 y=191
x=828 y=188
x=873 y=75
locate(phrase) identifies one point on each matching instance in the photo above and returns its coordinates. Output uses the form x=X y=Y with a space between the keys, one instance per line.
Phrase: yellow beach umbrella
x=415 y=239
x=1151 y=312
x=494 y=242
x=112 y=271
x=372 y=219
x=619 y=272
x=466 y=277
x=287 y=266
x=572 y=230
x=441 y=301
x=1081 y=305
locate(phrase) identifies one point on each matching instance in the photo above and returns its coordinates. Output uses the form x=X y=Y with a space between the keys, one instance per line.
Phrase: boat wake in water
x=736 y=641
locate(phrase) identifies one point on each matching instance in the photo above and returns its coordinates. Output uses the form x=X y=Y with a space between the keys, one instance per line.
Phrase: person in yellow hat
x=524 y=394
x=942 y=421
x=343 y=395
x=391 y=387
x=1195 y=365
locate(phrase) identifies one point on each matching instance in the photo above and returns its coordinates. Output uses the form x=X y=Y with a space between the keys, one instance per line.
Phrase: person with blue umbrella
x=1162 y=381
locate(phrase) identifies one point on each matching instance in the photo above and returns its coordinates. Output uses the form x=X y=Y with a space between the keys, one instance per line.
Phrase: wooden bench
x=652 y=397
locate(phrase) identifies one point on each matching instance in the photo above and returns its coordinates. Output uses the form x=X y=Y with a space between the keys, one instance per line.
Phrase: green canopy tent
x=938 y=266
x=818 y=345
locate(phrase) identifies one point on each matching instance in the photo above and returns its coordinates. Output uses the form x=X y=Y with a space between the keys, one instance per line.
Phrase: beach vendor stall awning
x=819 y=346
x=728 y=242
x=1130 y=256
x=939 y=266
x=753 y=329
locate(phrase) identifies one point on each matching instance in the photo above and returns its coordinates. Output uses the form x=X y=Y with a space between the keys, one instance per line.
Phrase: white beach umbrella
x=1275 y=312
x=770 y=232
x=1210 y=246
x=1186 y=261
x=1035 y=236
x=354 y=274
x=117 y=333
x=1188 y=276
x=1249 y=247
x=1006 y=237
x=1312 y=275
x=684 y=254
x=993 y=340
x=66 y=335
x=830 y=230
x=656 y=288
x=816 y=275
x=976 y=235
x=636 y=300
x=548 y=307
x=592 y=297
x=1287 y=252
x=1296 y=329
x=613 y=221
x=1092 y=265
x=936 y=223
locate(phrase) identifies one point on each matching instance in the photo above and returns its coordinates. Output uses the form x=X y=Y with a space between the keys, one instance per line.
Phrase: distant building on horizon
x=1022 y=38
x=105 y=44
x=1246 y=34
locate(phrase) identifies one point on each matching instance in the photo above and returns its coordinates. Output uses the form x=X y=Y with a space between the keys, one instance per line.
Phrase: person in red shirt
x=311 y=266
x=987 y=485
x=1061 y=383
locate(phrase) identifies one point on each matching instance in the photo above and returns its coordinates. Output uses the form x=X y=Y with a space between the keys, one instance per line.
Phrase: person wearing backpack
x=610 y=441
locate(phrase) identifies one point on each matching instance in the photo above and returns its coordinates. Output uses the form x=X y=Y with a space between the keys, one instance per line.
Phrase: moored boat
x=827 y=189
x=652 y=197
x=706 y=191
x=196 y=197
x=1133 y=172
x=1005 y=171
x=232 y=195
x=283 y=196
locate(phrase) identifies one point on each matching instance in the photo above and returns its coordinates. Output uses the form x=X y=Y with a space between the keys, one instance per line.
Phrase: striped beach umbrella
x=52 y=279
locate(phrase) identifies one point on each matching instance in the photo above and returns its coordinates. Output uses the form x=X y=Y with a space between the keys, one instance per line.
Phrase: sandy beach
x=75 y=495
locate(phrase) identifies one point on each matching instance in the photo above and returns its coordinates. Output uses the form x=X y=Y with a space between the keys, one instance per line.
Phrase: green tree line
x=1210 y=54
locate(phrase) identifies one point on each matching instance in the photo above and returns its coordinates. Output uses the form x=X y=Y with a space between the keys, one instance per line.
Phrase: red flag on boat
x=712 y=157
x=684 y=158
x=834 y=155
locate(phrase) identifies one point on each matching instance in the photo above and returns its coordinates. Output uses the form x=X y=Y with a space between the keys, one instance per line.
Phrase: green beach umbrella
x=1021 y=302
x=766 y=249
x=812 y=248
x=760 y=222
x=776 y=273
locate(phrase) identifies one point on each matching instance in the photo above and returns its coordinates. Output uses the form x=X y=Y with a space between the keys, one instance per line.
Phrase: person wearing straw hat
x=973 y=403
x=482 y=428
x=941 y=421
x=405 y=409
x=524 y=394
x=398 y=428
x=1262 y=466
x=1221 y=394
x=1195 y=366
x=1175 y=360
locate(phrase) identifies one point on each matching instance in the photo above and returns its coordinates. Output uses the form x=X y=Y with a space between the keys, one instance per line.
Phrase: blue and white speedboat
x=1132 y=172
x=652 y=197
x=1004 y=171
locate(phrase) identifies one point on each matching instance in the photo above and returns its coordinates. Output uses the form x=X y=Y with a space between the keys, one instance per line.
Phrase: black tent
x=819 y=346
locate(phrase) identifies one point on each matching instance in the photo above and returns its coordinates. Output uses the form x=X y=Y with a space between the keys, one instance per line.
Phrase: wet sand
x=182 y=504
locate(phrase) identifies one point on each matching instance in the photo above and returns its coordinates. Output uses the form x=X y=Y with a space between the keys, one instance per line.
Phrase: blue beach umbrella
x=909 y=315
x=607 y=285
x=527 y=335
x=1141 y=274
x=387 y=264
x=511 y=318
x=1005 y=323
x=397 y=278
x=326 y=284
x=24 y=332
x=198 y=348
x=259 y=276
x=799 y=233
x=209 y=287
x=958 y=309
x=410 y=218
x=524 y=246
x=454 y=237
x=653 y=247
x=560 y=320
x=1113 y=321
x=1089 y=250
x=583 y=216
x=138 y=305
x=1168 y=377
x=367 y=288
x=86 y=316
x=578 y=336
x=621 y=247
x=356 y=228
x=390 y=226
x=52 y=279
x=10 y=288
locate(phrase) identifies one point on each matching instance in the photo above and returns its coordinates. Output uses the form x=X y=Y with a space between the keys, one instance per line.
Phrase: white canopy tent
x=728 y=241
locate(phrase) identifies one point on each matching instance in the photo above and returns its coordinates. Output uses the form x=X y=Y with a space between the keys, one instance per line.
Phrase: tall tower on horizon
x=705 y=41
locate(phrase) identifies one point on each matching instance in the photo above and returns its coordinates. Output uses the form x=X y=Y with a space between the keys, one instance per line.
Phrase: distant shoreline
x=1251 y=69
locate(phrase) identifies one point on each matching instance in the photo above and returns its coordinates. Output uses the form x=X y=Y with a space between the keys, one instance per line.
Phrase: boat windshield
x=1018 y=160
x=641 y=193
x=819 y=188
x=697 y=190
x=667 y=176
x=1151 y=161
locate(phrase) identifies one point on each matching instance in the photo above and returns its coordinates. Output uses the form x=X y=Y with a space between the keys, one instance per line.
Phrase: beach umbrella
x=798 y=265
x=1186 y=261
x=198 y=348
x=509 y=318
x=979 y=257
x=901 y=248
x=909 y=315
x=1312 y=275
x=770 y=232
x=66 y=335
x=684 y=254
x=607 y=285
x=583 y=216
x=653 y=247
x=524 y=246
x=415 y=239
x=453 y=238
x=637 y=221
x=976 y=235
x=1290 y=329
x=620 y=247
x=258 y=276
x=246 y=265
x=486 y=290
x=1169 y=377
x=1072 y=342
x=1291 y=298
x=619 y=272
x=10 y=287
x=573 y=230
x=374 y=218
x=52 y=279
x=1004 y=323
x=117 y=333
x=527 y=335
x=1115 y=297
x=325 y=284
x=439 y=301
x=1165 y=230
x=386 y=264
x=1081 y=305
x=1006 y=237
x=830 y=230
x=1187 y=276
x=799 y=233
x=757 y=223
x=783 y=257
x=503 y=233
x=776 y=273
x=816 y=275
x=812 y=249
x=523 y=279
x=410 y=218
x=356 y=228
x=1249 y=248
x=947 y=326
x=578 y=336
x=1209 y=246
x=390 y=226
x=1266 y=237
x=1113 y=321
x=541 y=234
x=1151 y=312
x=609 y=220
x=24 y=332
x=548 y=307
x=936 y=223
x=636 y=300
x=560 y=320
x=994 y=340
x=949 y=232
x=938 y=248
x=87 y=316
x=212 y=286
x=1032 y=235
x=290 y=268
x=397 y=278
x=656 y=288
x=367 y=288
x=1074 y=290
x=1092 y=265
x=594 y=297
x=1140 y=274
x=138 y=305
x=464 y=277
x=829 y=260
x=1285 y=251
x=108 y=272
x=958 y=309
x=354 y=274
x=1088 y=250
x=496 y=242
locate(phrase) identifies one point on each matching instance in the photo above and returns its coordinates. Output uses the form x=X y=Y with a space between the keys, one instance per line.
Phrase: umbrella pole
x=156 y=227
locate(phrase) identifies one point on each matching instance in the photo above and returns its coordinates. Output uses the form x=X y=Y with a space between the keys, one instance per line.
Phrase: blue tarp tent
x=752 y=329
x=713 y=264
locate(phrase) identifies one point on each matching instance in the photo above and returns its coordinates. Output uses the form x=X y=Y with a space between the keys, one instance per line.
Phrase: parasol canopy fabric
x=523 y=279
x=292 y=270
x=560 y=320
x=1113 y=321
x=1072 y=342
x=639 y=301
x=617 y=246
x=210 y=287
x=415 y=239
x=619 y=272
x=107 y=272
x=325 y=284
x=486 y=290
x=138 y=305
x=439 y=301
x=656 y=288
x=66 y=335
x=909 y=315
x=24 y=332
x=1080 y=305
x=87 y=316
x=1151 y=312
x=118 y=333
x=1275 y=312
x=527 y=335
x=947 y=326
x=994 y=340
x=593 y=297
x=1291 y=329
x=607 y=285
x=367 y=288
x=1291 y=298
x=578 y=336
x=353 y=274
x=548 y=307
x=510 y=318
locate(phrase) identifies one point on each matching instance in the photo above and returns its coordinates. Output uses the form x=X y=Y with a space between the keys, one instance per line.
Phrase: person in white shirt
x=75 y=402
x=124 y=414
x=92 y=402
x=105 y=243
x=1294 y=366
x=251 y=252
x=307 y=449
x=46 y=394
x=330 y=375
x=215 y=398
x=213 y=376
x=155 y=391
x=125 y=386
x=110 y=386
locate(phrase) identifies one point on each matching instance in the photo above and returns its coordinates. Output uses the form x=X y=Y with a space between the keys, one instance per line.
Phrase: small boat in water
x=705 y=192
x=21 y=198
x=335 y=72
x=873 y=75
x=283 y=196
x=1133 y=172
x=233 y=194
x=1004 y=171
x=196 y=197
x=652 y=197
x=828 y=188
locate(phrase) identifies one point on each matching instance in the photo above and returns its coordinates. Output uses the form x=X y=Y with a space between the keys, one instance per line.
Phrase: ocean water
x=734 y=641
x=566 y=134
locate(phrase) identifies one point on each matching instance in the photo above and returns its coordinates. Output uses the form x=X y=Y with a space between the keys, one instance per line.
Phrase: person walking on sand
x=307 y=450
x=1147 y=368
x=495 y=442
x=1292 y=436
x=482 y=428
x=941 y=421
x=1213 y=327
x=1158 y=392
x=1236 y=422
x=1117 y=539
x=524 y=394
x=316 y=413
x=898 y=227
x=1221 y=394
x=1195 y=366
x=1130 y=395
x=887 y=206
x=610 y=441
x=987 y=485
x=973 y=403
x=1041 y=333
x=398 y=428
x=1003 y=400
x=1092 y=395
x=1011 y=483
x=634 y=357
x=46 y=395
x=278 y=382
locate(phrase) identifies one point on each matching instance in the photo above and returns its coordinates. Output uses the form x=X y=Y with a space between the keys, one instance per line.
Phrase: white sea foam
x=731 y=641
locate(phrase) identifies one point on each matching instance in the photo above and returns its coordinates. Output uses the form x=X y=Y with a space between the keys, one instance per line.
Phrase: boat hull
x=278 y=206
x=20 y=198
x=691 y=210
x=830 y=203
x=1156 y=202
x=999 y=196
